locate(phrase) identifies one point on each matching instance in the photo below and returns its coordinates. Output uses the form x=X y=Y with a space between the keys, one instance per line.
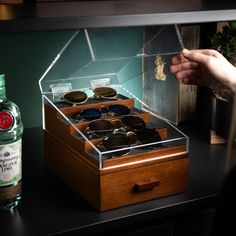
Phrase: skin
x=206 y=68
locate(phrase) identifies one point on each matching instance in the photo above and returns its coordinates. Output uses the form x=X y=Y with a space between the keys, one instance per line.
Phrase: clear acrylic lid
x=132 y=61
x=114 y=53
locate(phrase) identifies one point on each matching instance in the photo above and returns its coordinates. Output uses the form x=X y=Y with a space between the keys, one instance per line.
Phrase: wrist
x=232 y=86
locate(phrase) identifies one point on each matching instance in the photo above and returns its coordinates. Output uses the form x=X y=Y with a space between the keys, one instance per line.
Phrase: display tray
x=90 y=137
x=122 y=175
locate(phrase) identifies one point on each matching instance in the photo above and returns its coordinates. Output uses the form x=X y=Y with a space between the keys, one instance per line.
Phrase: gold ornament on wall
x=159 y=69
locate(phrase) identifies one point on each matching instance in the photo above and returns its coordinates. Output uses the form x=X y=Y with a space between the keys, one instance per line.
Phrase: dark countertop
x=50 y=207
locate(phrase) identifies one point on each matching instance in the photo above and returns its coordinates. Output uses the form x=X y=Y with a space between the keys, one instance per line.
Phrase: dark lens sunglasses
x=121 y=140
x=133 y=122
x=105 y=92
x=103 y=127
x=144 y=135
x=76 y=97
x=147 y=135
x=80 y=97
x=100 y=128
x=116 y=141
x=95 y=113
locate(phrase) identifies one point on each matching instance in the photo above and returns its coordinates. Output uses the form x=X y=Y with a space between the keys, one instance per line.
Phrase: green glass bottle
x=11 y=130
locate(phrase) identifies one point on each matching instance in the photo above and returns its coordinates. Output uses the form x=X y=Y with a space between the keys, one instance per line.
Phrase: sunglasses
x=105 y=92
x=76 y=97
x=116 y=141
x=100 y=128
x=80 y=97
x=95 y=113
x=148 y=135
x=121 y=140
x=133 y=122
x=103 y=127
x=127 y=124
x=138 y=126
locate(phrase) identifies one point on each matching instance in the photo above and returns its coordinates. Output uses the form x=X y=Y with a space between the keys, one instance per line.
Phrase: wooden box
x=112 y=177
x=115 y=182
x=123 y=185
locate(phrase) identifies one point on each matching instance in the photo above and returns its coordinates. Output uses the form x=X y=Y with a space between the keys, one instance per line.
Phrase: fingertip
x=185 y=80
x=177 y=59
x=185 y=51
x=172 y=69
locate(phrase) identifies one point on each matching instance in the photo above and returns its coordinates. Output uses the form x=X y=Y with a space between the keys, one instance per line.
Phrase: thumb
x=195 y=56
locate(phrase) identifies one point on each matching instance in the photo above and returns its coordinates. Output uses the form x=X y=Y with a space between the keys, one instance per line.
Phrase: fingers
x=196 y=56
x=184 y=69
x=174 y=68
x=178 y=59
x=188 y=66
x=186 y=55
x=207 y=52
x=190 y=80
x=187 y=74
x=202 y=56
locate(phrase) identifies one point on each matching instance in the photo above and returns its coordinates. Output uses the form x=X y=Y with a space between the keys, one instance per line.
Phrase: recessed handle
x=146 y=185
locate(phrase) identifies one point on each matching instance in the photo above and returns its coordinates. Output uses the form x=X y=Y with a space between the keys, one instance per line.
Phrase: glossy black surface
x=50 y=207
x=87 y=14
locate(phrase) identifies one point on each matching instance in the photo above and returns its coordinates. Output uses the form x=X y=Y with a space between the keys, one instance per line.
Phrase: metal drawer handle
x=146 y=185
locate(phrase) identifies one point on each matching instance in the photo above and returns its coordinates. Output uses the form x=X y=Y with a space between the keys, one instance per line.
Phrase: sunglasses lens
x=148 y=136
x=116 y=141
x=101 y=128
x=90 y=114
x=119 y=109
x=105 y=92
x=134 y=122
x=76 y=97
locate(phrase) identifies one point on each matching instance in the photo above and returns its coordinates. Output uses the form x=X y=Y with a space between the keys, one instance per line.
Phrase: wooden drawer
x=115 y=187
x=144 y=183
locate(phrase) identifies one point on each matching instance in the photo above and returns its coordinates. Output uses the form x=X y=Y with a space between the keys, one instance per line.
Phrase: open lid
x=120 y=57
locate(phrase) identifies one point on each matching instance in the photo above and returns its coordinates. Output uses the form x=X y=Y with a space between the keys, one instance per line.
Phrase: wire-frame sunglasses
x=96 y=113
x=79 y=97
x=125 y=141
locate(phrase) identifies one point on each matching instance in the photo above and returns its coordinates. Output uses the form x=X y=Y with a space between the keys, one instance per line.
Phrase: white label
x=58 y=90
x=10 y=163
x=105 y=82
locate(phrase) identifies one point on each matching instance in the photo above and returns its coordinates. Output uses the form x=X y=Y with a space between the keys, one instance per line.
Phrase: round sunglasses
x=75 y=97
x=123 y=140
x=148 y=135
x=105 y=92
x=95 y=113
x=103 y=127
x=141 y=134
x=100 y=128
x=133 y=122
x=80 y=97
x=116 y=141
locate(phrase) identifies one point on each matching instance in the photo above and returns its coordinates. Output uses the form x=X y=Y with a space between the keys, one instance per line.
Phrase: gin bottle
x=11 y=129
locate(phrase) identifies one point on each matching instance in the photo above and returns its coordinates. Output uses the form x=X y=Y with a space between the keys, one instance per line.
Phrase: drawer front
x=144 y=183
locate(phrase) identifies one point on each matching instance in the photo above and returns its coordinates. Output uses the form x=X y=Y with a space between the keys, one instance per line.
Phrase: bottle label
x=6 y=120
x=10 y=163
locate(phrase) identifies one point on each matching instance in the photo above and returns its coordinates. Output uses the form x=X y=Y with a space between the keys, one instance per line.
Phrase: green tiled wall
x=25 y=57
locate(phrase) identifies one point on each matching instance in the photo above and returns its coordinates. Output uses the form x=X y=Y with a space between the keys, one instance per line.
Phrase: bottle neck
x=2 y=92
x=2 y=87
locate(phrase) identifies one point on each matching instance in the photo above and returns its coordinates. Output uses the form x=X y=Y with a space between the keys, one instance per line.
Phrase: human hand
x=206 y=68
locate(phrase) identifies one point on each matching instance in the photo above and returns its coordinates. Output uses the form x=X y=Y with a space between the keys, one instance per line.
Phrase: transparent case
x=100 y=95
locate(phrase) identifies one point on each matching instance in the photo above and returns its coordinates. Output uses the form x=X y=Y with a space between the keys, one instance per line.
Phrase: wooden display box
x=121 y=181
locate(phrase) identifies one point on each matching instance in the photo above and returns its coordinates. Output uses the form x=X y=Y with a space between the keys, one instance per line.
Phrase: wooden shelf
x=87 y=14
